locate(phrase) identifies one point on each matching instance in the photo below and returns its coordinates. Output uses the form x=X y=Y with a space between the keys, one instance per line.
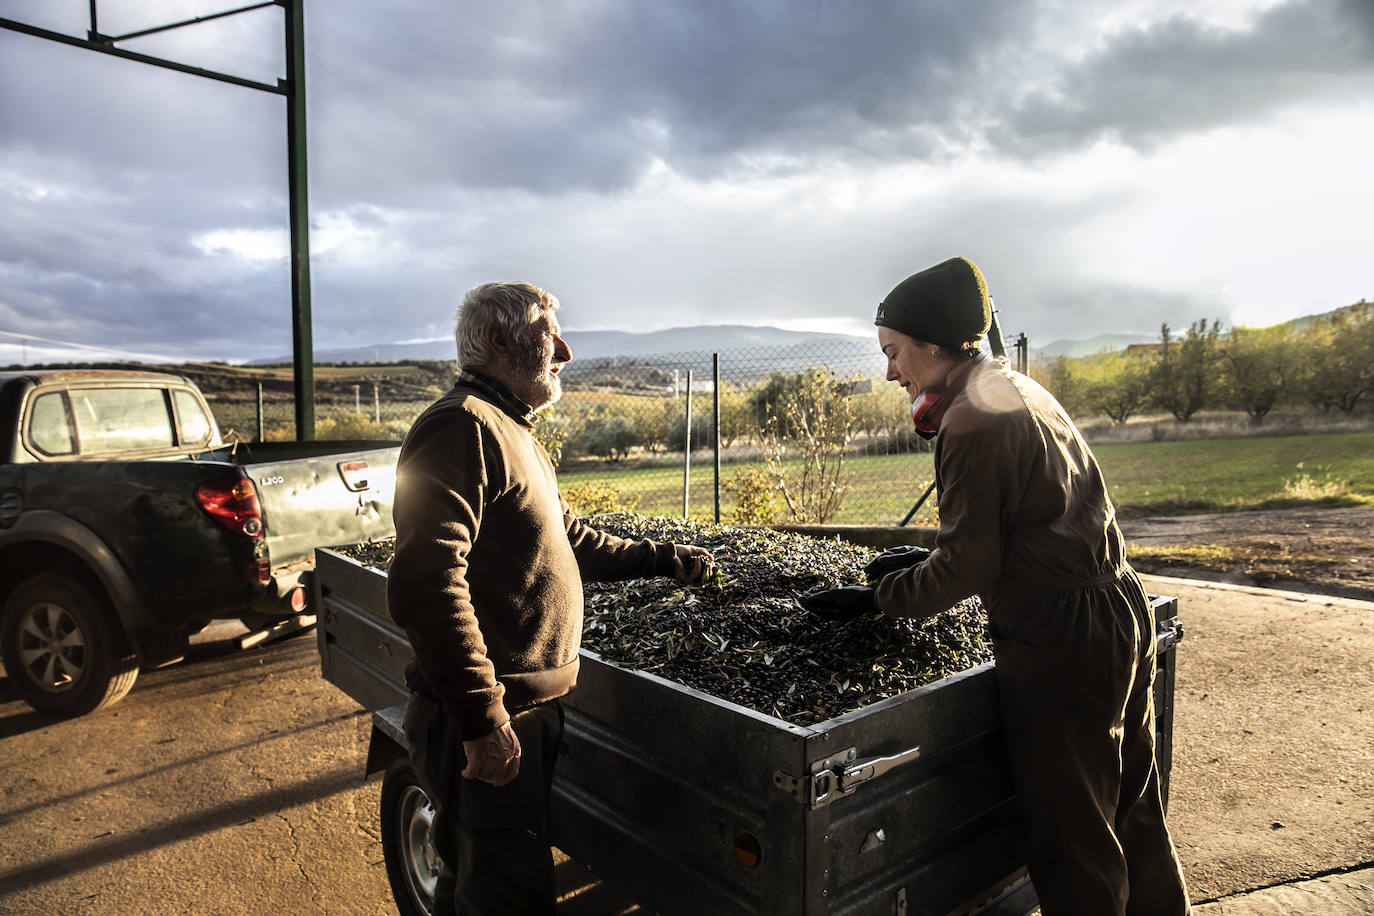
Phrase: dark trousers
x=494 y=842
x=1075 y=670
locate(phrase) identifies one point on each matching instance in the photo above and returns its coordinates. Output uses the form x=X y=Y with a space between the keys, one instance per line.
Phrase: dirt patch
x=1313 y=550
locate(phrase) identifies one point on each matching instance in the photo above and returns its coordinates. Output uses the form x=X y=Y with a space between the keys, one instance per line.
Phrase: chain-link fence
x=804 y=433
x=807 y=433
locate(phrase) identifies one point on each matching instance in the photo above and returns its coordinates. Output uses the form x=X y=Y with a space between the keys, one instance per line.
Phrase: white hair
x=510 y=308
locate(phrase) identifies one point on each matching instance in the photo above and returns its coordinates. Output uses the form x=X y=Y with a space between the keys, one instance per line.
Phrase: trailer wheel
x=412 y=864
x=63 y=646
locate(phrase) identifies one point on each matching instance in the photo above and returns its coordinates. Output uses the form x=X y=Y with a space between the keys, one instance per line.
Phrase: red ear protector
x=928 y=409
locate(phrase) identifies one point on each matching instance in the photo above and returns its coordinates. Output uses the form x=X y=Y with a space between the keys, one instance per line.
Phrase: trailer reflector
x=747 y=850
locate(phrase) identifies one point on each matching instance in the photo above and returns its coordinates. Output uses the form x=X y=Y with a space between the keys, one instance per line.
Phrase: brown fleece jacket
x=1023 y=506
x=489 y=563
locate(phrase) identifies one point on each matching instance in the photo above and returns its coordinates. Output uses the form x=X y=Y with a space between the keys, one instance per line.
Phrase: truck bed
x=318 y=492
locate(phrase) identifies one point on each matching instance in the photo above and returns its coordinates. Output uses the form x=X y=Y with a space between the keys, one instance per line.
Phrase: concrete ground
x=231 y=783
x=1274 y=749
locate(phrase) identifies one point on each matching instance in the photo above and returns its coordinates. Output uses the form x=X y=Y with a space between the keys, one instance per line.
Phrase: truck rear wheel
x=63 y=646
x=412 y=864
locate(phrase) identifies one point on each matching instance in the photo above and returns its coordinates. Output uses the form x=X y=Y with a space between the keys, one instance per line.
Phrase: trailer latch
x=839 y=775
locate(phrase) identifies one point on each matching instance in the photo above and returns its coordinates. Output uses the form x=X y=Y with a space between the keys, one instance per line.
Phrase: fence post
x=376 y=405
x=261 y=425
x=715 y=394
x=687 y=447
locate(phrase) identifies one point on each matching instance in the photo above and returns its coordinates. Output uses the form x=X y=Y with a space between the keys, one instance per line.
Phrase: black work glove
x=893 y=559
x=843 y=603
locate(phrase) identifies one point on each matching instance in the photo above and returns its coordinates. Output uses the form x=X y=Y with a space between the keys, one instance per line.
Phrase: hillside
x=598 y=344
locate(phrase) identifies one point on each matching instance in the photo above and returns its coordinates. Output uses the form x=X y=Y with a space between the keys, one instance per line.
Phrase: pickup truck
x=694 y=805
x=127 y=524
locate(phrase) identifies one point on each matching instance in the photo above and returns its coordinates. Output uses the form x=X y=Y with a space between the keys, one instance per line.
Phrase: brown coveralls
x=1026 y=523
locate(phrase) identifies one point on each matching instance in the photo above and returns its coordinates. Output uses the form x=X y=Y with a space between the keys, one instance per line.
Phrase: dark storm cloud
x=91 y=257
x=108 y=172
x=472 y=140
x=588 y=96
x=1148 y=85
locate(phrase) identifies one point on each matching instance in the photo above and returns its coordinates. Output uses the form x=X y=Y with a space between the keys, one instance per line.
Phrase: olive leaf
x=741 y=636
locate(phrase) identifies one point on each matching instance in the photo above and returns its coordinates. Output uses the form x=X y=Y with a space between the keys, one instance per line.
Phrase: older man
x=487 y=581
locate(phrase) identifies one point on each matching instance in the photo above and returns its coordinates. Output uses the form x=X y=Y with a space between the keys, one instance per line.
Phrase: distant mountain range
x=604 y=344
x=1074 y=349
x=722 y=338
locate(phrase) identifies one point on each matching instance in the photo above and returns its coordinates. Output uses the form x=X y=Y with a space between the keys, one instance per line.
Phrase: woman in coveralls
x=1026 y=524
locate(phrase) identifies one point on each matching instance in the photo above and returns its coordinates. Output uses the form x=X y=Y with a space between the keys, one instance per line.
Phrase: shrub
x=814 y=418
x=348 y=426
x=595 y=498
x=754 y=494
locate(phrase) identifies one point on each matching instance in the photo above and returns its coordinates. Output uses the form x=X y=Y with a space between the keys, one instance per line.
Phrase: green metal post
x=303 y=348
x=687 y=449
x=715 y=389
x=262 y=425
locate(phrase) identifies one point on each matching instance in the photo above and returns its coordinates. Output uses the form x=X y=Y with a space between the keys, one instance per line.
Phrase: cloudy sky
x=1110 y=165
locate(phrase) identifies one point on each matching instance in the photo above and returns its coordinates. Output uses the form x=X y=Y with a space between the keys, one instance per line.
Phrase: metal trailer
x=695 y=805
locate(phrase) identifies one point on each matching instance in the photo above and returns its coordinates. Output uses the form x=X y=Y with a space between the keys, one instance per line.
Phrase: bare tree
x=810 y=418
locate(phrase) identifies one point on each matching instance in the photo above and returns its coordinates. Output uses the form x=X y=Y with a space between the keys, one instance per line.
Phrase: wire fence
x=809 y=433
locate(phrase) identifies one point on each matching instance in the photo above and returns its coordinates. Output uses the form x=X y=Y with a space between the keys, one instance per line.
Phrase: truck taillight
x=234 y=504
x=354 y=474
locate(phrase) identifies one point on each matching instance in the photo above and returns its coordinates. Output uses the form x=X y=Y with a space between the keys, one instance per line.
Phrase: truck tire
x=412 y=864
x=63 y=647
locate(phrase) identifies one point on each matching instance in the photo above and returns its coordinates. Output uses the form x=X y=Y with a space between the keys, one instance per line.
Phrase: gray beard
x=536 y=387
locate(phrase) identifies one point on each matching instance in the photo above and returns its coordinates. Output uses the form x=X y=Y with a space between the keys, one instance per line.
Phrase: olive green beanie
x=946 y=304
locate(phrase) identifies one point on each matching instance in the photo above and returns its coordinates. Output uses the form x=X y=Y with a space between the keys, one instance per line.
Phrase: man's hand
x=493 y=758
x=692 y=565
x=844 y=603
x=893 y=559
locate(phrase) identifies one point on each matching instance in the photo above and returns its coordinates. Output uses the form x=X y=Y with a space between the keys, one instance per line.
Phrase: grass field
x=1148 y=478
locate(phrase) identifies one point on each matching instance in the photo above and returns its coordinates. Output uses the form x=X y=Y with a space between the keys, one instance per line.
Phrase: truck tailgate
x=342 y=497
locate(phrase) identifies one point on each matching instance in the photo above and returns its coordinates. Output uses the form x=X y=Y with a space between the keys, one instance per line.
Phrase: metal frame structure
x=292 y=88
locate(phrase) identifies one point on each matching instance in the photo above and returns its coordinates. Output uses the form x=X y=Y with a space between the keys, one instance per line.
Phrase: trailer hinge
x=1168 y=632
x=838 y=775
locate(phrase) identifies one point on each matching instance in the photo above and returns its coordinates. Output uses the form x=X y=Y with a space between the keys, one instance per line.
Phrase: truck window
x=121 y=419
x=50 y=431
x=193 y=426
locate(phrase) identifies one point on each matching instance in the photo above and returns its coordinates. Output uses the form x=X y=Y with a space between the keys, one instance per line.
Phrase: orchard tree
x=1117 y=382
x=1257 y=368
x=737 y=421
x=609 y=436
x=655 y=423
x=780 y=387
x=1336 y=366
x=1059 y=378
x=1184 y=376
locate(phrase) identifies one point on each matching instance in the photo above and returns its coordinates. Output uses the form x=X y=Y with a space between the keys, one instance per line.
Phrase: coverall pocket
x=1067 y=677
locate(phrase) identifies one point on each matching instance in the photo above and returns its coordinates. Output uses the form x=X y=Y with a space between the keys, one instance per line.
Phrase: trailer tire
x=412 y=864
x=63 y=646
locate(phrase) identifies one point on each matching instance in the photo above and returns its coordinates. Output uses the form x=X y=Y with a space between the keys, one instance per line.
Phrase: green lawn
x=1152 y=478
x=1160 y=478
